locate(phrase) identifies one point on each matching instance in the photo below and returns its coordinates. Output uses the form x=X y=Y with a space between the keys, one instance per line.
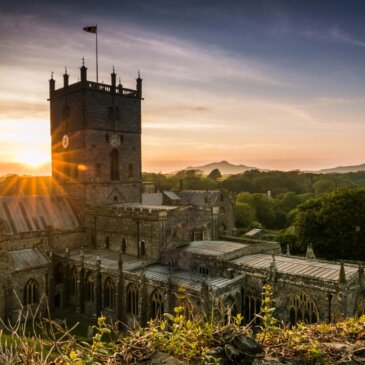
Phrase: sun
x=33 y=159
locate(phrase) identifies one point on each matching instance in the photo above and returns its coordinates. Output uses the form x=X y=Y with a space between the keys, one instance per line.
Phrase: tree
x=245 y=214
x=334 y=223
x=215 y=174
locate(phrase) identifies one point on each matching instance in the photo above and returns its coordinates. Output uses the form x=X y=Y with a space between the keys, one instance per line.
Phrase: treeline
x=264 y=199
x=254 y=181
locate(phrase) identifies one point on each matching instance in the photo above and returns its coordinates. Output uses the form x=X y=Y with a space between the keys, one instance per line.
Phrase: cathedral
x=102 y=242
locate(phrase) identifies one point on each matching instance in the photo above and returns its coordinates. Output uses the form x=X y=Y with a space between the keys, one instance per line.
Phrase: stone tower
x=96 y=140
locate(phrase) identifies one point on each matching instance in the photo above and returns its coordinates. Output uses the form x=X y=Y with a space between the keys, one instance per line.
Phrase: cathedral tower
x=96 y=140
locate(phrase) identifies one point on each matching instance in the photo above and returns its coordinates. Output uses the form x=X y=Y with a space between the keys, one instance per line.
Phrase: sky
x=272 y=84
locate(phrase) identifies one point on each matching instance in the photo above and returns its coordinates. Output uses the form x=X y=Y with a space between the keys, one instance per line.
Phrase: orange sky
x=203 y=101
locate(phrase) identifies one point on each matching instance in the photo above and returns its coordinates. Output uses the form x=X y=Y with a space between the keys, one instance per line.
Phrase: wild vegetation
x=195 y=339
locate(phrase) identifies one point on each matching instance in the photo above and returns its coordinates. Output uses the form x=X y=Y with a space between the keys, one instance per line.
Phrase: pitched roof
x=186 y=279
x=199 y=197
x=171 y=195
x=28 y=258
x=36 y=212
x=328 y=271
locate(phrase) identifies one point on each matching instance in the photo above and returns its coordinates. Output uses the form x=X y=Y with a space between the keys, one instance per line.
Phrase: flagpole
x=97 y=72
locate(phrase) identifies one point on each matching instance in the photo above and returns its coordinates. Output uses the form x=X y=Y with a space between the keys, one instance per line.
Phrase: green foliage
x=334 y=224
x=245 y=214
x=215 y=174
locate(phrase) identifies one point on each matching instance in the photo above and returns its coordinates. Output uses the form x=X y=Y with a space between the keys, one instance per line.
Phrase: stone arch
x=156 y=305
x=132 y=299
x=222 y=229
x=31 y=292
x=302 y=308
x=109 y=293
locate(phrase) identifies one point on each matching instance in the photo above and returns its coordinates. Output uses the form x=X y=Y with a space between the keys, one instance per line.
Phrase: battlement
x=113 y=88
x=94 y=86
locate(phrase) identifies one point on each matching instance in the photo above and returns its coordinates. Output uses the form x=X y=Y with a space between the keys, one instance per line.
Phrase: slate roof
x=171 y=195
x=144 y=206
x=199 y=197
x=152 y=198
x=327 y=271
x=190 y=280
x=36 y=212
x=28 y=258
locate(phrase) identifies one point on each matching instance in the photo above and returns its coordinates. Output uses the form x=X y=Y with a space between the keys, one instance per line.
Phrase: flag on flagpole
x=92 y=29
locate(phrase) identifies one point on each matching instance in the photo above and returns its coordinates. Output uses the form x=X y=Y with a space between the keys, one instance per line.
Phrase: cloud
x=340 y=36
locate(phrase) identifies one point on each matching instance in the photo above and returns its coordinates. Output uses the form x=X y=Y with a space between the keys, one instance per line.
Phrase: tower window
x=117 y=113
x=106 y=137
x=130 y=170
x=114 y=165
x=107 y=242
x=121 y=138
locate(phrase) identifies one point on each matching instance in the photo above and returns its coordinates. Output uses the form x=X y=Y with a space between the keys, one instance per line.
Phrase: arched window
x=107 y=242
x=89 y=288
x=222 y=230
x=156 y=305
x=132 y=299
x=302 y=308
x=251 y=306
x=114 y=165
x=221 y=210
x=130 y=170
x=30 y=292
x=73 y=282
x=109 y=293
x=124 y=245
x=58 y=274
x=142 y=249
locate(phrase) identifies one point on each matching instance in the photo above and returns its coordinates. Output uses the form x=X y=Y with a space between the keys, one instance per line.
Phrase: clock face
x=114 y=141
x=65 y=141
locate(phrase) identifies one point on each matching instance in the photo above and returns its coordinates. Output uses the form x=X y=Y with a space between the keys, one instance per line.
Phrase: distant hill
x=342 y=169
x=224 y=167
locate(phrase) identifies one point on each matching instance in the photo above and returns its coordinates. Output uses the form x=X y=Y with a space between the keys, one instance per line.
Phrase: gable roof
x=199 y=197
